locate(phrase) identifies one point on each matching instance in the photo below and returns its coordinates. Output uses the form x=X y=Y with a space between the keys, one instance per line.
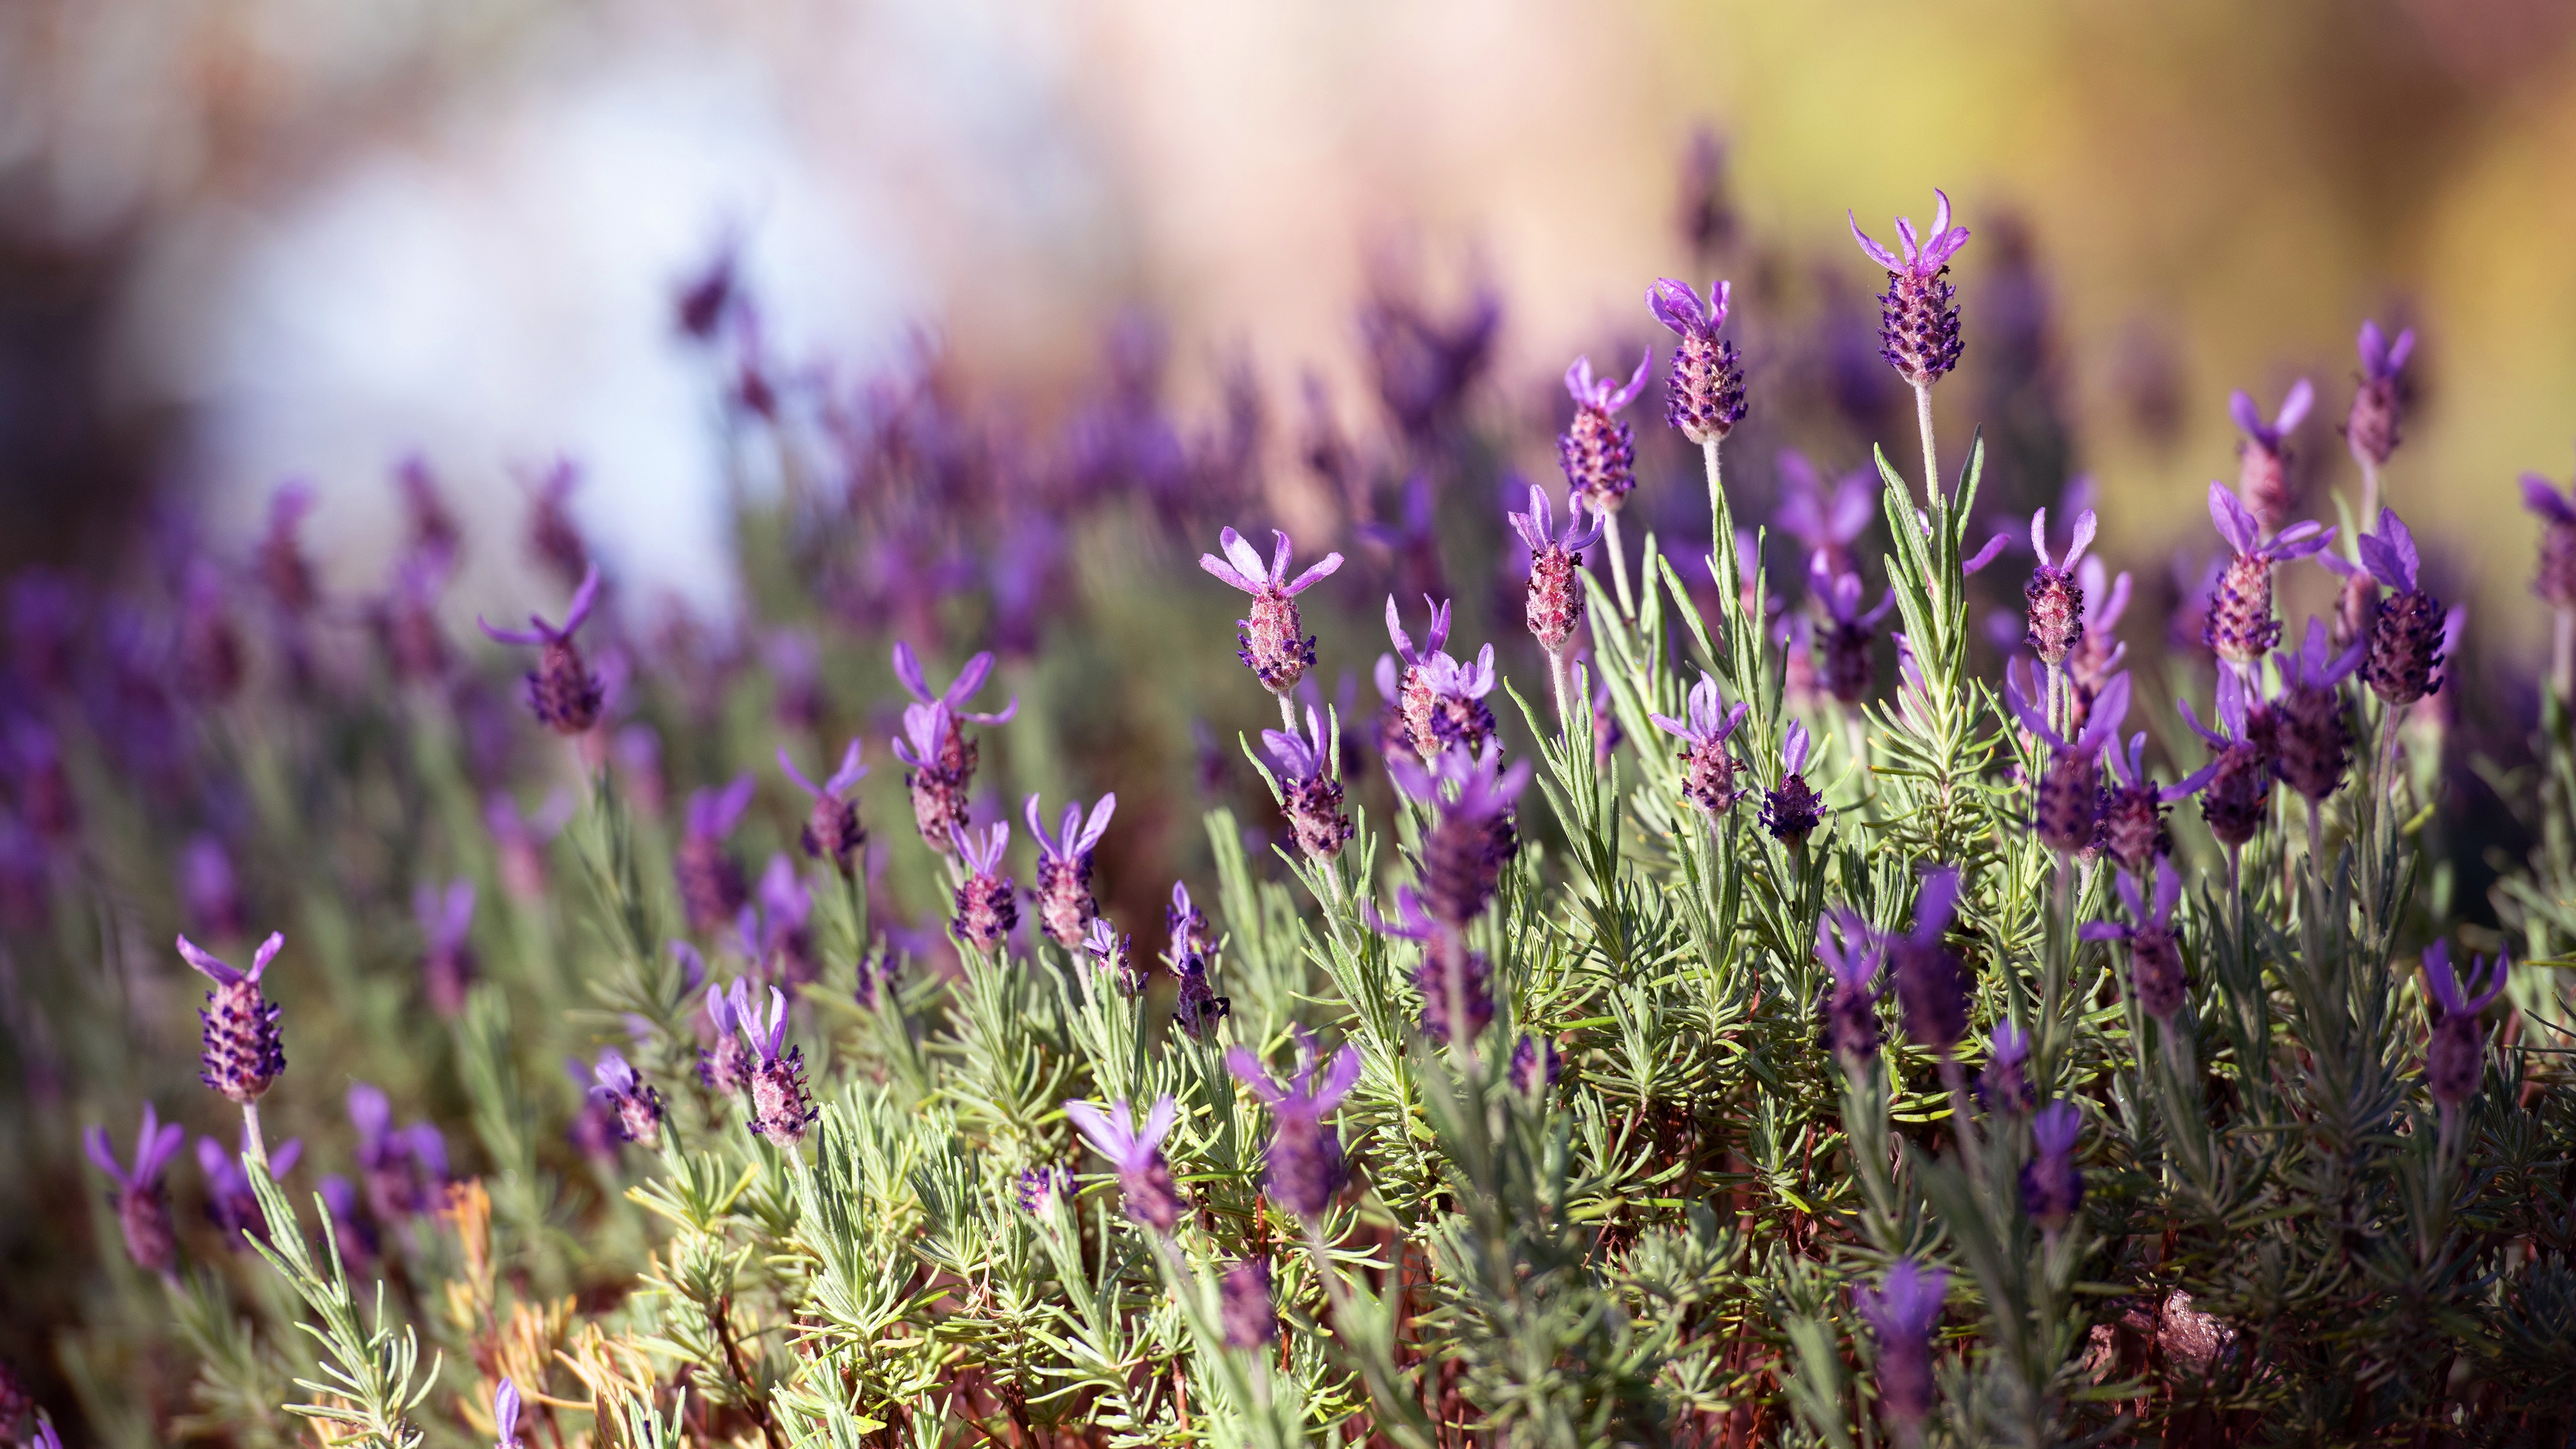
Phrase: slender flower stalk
x=1918 y=316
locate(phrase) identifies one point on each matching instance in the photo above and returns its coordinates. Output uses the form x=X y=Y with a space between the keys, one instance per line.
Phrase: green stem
x=1931 y=457
x=1618 y=564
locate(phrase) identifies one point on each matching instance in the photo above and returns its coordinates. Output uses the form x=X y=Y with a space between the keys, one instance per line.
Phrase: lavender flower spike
x=2068 y=810
x=1847 y=1011
x=2053 y=600
x=2371 y=428
x=1273 y=646
x=712 y=890
x=142 y=1207
x=1850 y=669
x=1309 y=794
x=2052 y=1188
x=1902 y=1315
x=2263 y=458
x=2455 y=1058
x=1456 y=983
x=1709 y=768
x=563 y=693
x=1471 y=837
x=635 y=1106
x=2237 y=794
x=1555 y=603
x=1918 y=315
x=1792 y=809
x=1825 y=526
x=1932 y=984
x=2405 y=634
x=832 y=830
x=2555 y=583
x=2133 y=830
x=1065 y=906
x=986 y=909
x=2005 y=1086
x=2240 y=628
x=243 y=1051
x=1243 y=1306
x=1304 y=1162
x=780 y=1105
x=447 y=960
x=907 y=670
x=1597 y=451
x=2156 y=975
x=1144 y=1179
x=1704 y=397
x=2312 y=739
x=727 y=1066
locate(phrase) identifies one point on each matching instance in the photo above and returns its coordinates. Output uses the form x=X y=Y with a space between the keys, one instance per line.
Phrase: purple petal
x=907 y=669
x=2102 y=931
x=1636 y=381
x=2128 y=888
x=582 y=600
x=103 y=1153
x=266 y=953
x=2399 y=351
x=2248 y=416
x=1986 y=555
x=2102 y=724
x=797 y=775
x=2542 y=497
x=2372 y=344
x=2234 y=521
x=1158 y=1122
x=1098 y=823
x=1936 y=904
x=1676 y=306
x=1873 y=250
x=1315 y=575
x=2294 y=408
x=2084 y=526
x=196 y=956
x=510 y=636
x=1793 y=747
x=1248 y=1070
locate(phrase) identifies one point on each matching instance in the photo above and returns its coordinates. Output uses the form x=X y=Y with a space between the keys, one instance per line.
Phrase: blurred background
x=263 y=240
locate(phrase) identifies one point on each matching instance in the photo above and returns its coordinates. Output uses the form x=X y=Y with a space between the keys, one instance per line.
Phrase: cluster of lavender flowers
x=1732 y=1038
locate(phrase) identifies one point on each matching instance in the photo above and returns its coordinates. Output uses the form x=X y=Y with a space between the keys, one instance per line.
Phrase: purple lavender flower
x=505 y=1415
x=726 y=1067
x=2098 y=651
x=1826 y=526
x=405 y=1171
x=780 y=1105
x=209 y=887
x=230 y=1204
x=447 y=960
x=712 y=891
x=519 y=840
x=956 y=752
x=1536 y=1065
x=796 y=678
x=1273 y=647
x=1113 y=954
x=987 y=908
x=832 y=830
x=2240 y=627
x=635 y=1106
x=142 y=1206
x=775 y=929
x=2263 y=458
x=1555 y=603
x=2370 y=429
x=1187 y=925
x=554 y=536
x=243 y=1051
x=1708 y=767
x=2455 y=1057
x=1041 y=1188
x=2004 y=1086
x=2156 y=974
x=2555 y=583
x=1243 y=1305
x=1136 y=1152
x=1303 y=1166
x=211 y=659
x=2312 y=738
x=1791 y=810
x=2052 y=1187
x=2053 y=600
x=1918 y=315
x=1849 y=668
x=2133 y=830
x=1065 y=906
x=1847 y=1008
x=938 y=792
x=2067 y=810
x=1456 y=984
x=1441 y=700
x=1705 y=397
x=1196 y=1008
x=563 y=693
x=2236 y=794
x=279 y=560
x=1902 y=1316
x=1932 y=984
x=2404 y=637
x=1471 y=836
x=1597 y=451
x=1310 y=796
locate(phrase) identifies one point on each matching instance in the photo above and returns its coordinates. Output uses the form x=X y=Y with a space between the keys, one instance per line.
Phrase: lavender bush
x=1696 y=1018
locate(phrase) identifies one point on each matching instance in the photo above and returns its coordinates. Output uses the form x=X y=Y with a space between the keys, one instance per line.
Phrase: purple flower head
x=1597 y=452
x=2294 y=411
x=1244 y=1308
x=907 y=670
x=773 y=932
x=2455 y=1056
x=1041 y=1188
x=2067 y=808
x=1065 y=905
x=780 y=1105
x=765 y=1039
x=2542 y=497
x=563 y=693
x=832 y=830
x=1923 y=259
x=2053 y=600
x=142 y=1208
x=1455 y=982
x=1309 y=795
x=2381 y=359
x=2244 y=532
x=230 y=1204
x=634 y=1106
x=2555 y=582
x=2404 y=639
x=446 y=920
x=1918 y=314
x=1304 y=1162
x=1136 y=1153
x=1554 y=603
x=2263 y=458
x=2052 y=1188
x=1850 y=637
x=727 y=1065
x=2005 y=1086
x=1825 y=526
x=1902 y=1314
x=1472 y=836
x=243 y=1049
x=1434 y=638
x=1704 y=399
x=940 y=763
x=505 y=1415
x=1932 y=984
x=1273 y=645
x=2156 y=974
x=1187 y=925
x=986 y=901
x=1709 y=769
x=2239 y=626
x=711 y=885
x=1847 y=1008
x=2311 y=733
x=2371 y=428
x=1791 y=810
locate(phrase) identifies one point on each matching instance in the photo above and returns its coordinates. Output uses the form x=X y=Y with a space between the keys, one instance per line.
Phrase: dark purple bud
x=1136 y=1152
x=712 y=890
x=1555 y=602
x=1597 y=451
x=2455 y=1055
x=142 y=1206
x=2371 y=428
x=2052 y=1188
x=1274 y=646
x=1918 y=315
x=1902 y=1315
x=2067 y=810
x=2312 y=739
x=2236 y=793
x=2005 y=1087
x=1536 y=1066
x=1243 y=1305
x=1704 y=398
x=1791 y=810
x=1709 y=768
x=1041 y=1188
x=1303 y=1168
x=986 y=900
x=1849 y=636
x=1065 y=906
x=1932 y=984
x=832 y=829
x=243 y=1050
x=2053 y=600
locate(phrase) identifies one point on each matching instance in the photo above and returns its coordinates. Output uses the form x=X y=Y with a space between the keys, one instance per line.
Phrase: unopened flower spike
x=1303 y=1166
x=1065 y=905
x=2052 y=1188
x=2067 y=812
x=1554 y=606
x=1791 y=810
x=986 y=901
x=633 y=1105
x=2312 y=733
x=1851 y=641
x=2263 y=458
x=2053 y=600
x=2240 y=627
x=1274 y=646
x=1309 y=794
x=832 y=830
x=2378 y=405
x=780 y=1104
x=2404 y=641
x=1932 y=984
x=563 y=693
x=1135 y=1151
x=2455 y=1057
x=1903 y=1313
x=1918 y=315
x=1847 y=1011
x=1709 y=768
x=2236 y=797
x=142 y=1207
x=1704 y=397
x=2156 y=974
x=1597 y=451
x=243 y=1049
